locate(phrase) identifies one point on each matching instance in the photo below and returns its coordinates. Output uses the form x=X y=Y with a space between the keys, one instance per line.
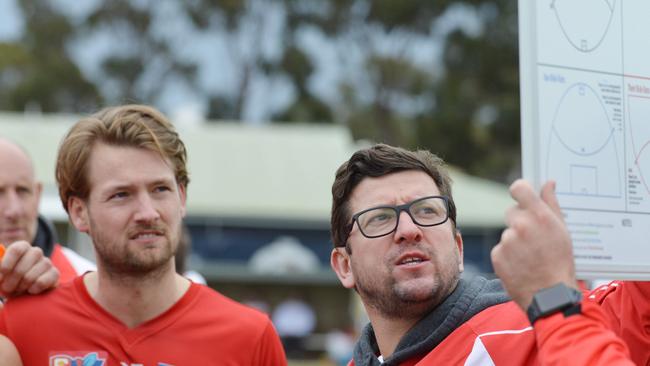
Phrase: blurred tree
x=260 y=47
x=228 y=17
x=464 y=107
x=475 y=121
x=441 y=75
x=143 y=60
x=37 y=73
x=381 y=87
x=307 y=106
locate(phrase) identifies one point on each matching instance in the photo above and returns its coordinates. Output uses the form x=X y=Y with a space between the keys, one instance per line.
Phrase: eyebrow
x=19 y=185
x=121 y=186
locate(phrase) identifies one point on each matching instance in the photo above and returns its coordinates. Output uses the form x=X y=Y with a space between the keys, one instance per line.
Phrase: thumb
x=549 y=197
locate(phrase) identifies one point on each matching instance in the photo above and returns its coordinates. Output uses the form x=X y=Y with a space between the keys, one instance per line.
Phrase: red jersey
x=627 y=311
x=66 y=327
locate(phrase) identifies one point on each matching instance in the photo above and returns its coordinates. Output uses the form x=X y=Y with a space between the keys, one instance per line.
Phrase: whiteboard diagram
x=584 y=23
x=637 y=43
x=582 y=151
x=580 y=33
x=581 y=137
x=638 y=113
x=585 y=112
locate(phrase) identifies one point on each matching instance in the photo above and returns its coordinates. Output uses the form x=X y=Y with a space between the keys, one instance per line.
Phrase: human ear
x=459 y=244
x=78 y=212
x=340 y=262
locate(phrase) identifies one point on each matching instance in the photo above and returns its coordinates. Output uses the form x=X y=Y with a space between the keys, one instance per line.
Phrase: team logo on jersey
x=77 y=358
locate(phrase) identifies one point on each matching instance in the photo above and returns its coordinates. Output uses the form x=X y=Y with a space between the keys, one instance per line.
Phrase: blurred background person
x=181 y=258
x=20 y=195
x=295 y=321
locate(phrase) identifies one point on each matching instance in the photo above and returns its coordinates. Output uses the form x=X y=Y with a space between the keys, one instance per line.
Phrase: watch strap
x=549 y=301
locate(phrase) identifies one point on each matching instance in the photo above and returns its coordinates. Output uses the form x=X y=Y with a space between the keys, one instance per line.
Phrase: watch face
x=552 y=300
x=555 y=298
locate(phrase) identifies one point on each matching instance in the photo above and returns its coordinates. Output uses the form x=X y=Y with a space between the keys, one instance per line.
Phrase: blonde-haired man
x=122 y=178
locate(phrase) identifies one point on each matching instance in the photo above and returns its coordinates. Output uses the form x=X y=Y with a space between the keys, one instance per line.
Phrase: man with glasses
x=396 y=244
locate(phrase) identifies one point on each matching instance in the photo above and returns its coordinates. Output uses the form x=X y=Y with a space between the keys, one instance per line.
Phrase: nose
x=13 y=205
x=407 y=231
x=147 y=210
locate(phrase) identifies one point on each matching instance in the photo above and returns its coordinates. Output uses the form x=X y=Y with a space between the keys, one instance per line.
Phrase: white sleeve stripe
x=508 y=331
x=80 y=264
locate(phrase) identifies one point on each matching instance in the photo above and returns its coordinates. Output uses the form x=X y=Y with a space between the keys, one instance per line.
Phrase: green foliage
x=477 y=106
x=238 y=22
x=37 y=73
x=465 y=108
x=140 y=54
x=391 y=86
x=414 y=16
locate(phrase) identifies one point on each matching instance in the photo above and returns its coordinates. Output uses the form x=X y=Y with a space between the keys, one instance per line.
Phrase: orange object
x=2 y=250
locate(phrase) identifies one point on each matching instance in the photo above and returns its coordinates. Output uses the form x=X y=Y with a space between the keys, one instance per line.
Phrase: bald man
x=31 y=240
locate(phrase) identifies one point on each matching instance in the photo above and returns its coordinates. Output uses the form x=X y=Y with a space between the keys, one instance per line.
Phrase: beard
x=121 y=259
x=407 y=298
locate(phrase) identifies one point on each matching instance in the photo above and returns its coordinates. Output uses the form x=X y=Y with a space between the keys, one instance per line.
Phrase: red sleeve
x=582 y=339
x=3 y=327
x=269 y=350
x=627 y=312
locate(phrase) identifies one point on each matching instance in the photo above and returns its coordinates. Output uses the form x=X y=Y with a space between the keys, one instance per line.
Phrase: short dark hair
x=377 y=161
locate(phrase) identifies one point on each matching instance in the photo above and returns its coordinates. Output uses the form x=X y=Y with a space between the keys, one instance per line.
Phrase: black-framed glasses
x=382 y=220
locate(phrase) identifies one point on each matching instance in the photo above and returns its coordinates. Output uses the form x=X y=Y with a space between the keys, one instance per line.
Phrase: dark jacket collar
x=46 y=236
x=468 y=299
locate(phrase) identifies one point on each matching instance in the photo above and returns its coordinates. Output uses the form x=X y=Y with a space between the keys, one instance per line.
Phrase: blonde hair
x=128 y=125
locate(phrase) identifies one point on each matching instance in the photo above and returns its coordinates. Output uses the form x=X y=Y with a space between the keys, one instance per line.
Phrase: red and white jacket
x=68 y=262
x=612 y=330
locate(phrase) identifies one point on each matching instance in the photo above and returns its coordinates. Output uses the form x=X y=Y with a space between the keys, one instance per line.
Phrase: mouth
x=146 y=235
x=12 y=232
x=411 y=259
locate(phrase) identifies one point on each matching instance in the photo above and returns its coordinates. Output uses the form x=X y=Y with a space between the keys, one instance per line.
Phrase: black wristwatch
x=559 y=298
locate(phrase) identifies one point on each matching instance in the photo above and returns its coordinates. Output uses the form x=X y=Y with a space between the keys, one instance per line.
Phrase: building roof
x=261 y=172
